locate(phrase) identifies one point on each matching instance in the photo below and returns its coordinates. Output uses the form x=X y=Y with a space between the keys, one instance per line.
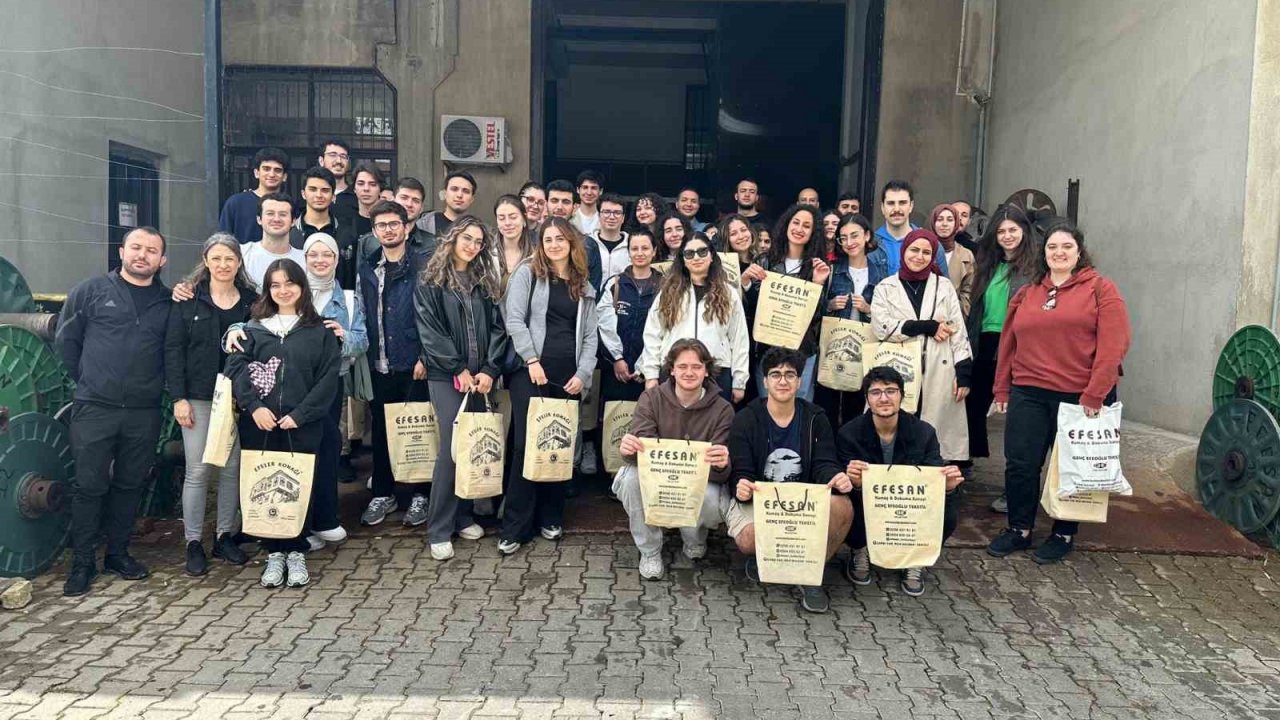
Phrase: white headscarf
x=322 y=287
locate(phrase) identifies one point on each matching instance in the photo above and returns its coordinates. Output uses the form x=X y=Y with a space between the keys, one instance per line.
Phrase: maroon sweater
x=1076 y=347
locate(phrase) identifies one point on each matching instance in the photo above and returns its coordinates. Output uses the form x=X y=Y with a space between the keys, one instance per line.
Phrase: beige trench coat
x=890 y=308
x=961 y=267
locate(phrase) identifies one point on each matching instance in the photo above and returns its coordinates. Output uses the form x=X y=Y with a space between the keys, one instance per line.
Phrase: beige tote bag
x=222 y=424
x=673 y=481
x=1081 y=507
x=840 y=349
x=784 y=310
x=550 y=433
x=478 y=450
x=906 y=359
x=617 y=423
x=903 y=506
x=500 y=402
x=791 y=532
x=413 y=440
x=275 y=492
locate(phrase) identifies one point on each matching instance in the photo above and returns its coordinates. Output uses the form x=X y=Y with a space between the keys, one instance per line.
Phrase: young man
x=964 y=211
x=275 y=215
x=458 y=195
x=318 y=187
x=387 y=282
x=886 y=436
x=335 y=157
x=239 y=213
x=687 y=406
x=587 y=217
x=610 y=240
x=560 y=202
x=782 y=438
x=808 y=196
x=367 y=184
x=111 y=340
x=746 y=195
x=896 y=204
x=534 y=198
x=409 y=194
x=848 y=204
x=688 y=204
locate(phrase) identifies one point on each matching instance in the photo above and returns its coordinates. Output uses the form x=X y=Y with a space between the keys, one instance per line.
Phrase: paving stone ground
x=571 y=631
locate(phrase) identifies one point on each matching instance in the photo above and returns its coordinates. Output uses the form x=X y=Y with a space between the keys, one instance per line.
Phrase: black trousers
x=105 y=499
x=529 y=505
x=857 y=537
x=394 y=387
x=981 y=393
x=324 y=489
x=841 y=406
x=305 y=439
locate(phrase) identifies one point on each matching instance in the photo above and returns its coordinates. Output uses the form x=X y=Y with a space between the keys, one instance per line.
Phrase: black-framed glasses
x=392 y=225
x=692 y=253
x=1052 y=302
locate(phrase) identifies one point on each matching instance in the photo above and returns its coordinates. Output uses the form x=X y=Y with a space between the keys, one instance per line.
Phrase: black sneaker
x=80 y=579
x=1009 y=541
x=1053 y=549
x=124 y=566
x=752 y=570
x=346 y=473
x=228 y=549
x=814 y=599
x=197 y=563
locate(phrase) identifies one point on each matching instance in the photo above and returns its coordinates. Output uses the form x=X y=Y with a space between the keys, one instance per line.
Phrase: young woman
x=944 y=221
x=737 y=235
x=648 y=208
x=513 y=235
x=625 y=301
x=321 y=254
x=193 y=360
x=550 y=313
x=697 y=301
x=464 y=342
x=674 y=229
x=920 y=302
x=1007 y=258
x=764 y=239
x=285 y=378
x=830 y=222
x=853 y=281
x=798 y=252
x=1063 y=341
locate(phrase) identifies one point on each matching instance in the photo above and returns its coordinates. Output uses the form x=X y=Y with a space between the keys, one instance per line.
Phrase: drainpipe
x=212 y=110
x=980 y=164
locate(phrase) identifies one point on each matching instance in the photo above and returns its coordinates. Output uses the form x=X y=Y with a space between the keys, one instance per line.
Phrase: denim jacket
x=842 y=284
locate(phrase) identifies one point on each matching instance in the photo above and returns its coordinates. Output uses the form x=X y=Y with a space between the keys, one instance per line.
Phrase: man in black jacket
x=782 y=438
x=111 y=338
x=886 y=436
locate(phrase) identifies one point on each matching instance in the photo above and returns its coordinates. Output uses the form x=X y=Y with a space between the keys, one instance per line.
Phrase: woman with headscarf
x=321 y=254
x=961 y=266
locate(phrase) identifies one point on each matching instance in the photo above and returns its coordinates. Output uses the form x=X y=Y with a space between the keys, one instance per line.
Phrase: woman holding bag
x=285 y=378
x=463 y=341
x=550 y=314
x=860 y=266
x=193 y=360
x=1063 y=341
x=920 y=302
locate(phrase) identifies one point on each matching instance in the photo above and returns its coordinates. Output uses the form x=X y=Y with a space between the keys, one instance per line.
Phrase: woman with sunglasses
x=1063 y=341
x=550 y=312
x=853 y=281
x=697 y=301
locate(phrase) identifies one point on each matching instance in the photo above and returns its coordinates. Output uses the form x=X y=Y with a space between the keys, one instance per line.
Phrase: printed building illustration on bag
x=278 y=487
x=555 y=436
x=847 y=349
x=904 y=368
x=486 y=449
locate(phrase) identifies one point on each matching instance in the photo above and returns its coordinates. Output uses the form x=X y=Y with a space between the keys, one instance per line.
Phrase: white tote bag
x=1089 y=452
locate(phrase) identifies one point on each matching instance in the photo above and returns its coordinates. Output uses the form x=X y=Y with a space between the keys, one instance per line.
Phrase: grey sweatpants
x=195 y=486
x=626 y=485
x=446 y=514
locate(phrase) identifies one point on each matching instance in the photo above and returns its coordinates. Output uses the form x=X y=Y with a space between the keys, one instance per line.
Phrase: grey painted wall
x=53 y=196
x=1147 y=102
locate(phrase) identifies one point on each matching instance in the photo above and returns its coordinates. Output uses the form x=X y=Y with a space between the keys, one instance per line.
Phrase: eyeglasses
x=876 y=393
x=692 y=253
x=1052 y=302
x=611 y=213
x=532 y=201
x=468 y=240
x=337 y=156
x=788 y=377
x=393 y=225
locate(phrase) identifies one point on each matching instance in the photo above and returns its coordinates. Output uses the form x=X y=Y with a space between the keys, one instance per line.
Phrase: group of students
x=570 y=283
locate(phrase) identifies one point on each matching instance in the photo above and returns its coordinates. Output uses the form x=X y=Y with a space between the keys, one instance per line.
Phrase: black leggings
x=529 y=505
x=981 y=394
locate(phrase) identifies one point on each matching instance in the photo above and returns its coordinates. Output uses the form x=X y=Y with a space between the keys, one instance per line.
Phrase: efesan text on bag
x=791 y=521
x=673 y=481
x=903 y=506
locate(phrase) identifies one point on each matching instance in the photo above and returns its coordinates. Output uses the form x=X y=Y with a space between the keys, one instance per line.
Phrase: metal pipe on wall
x=212 y=110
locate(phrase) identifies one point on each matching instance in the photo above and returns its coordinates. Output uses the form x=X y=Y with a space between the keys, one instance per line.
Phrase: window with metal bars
x=296 y=109
x=699 y=135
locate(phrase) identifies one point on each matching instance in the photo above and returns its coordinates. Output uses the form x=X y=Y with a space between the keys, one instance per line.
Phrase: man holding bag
x=688 y=406
x=887 y=436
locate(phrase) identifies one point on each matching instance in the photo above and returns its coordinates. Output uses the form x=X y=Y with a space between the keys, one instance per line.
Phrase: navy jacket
x=401 y=332
x=240 y=217
x=842 y=284
x=114 y=353
x=631 y=305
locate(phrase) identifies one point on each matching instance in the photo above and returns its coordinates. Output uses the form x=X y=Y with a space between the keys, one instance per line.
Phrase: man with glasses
x=587 y=217
x=886 y=436
x=335 y=157
x=534 y=199
x=783 y=438
x=610 y=240
x=240 y=213
x=387 y=282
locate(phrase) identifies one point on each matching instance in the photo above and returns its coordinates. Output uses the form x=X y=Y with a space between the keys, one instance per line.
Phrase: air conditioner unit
x=473 y=139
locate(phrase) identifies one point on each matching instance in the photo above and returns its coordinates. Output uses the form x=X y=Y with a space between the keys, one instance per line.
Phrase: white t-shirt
x=257 y=259
x=860 y=278
x=586 y=224
x=792 y=266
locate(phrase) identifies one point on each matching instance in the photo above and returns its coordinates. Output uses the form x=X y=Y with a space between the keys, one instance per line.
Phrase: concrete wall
x=926 y=133
x=338 y=33
x=1147 y=102
x=53 y=200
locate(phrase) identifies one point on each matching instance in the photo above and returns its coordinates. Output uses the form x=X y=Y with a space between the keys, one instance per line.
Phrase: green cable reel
x=15 y=294
x=1238 y=465
x=32 y=377
x=1249 y=369
x=37 y=470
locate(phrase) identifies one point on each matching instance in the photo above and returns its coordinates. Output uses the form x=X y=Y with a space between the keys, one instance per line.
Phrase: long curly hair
x=480 y=271
x=677 y=283
x=577 y=269
x=1026 y=259
x=816 y=247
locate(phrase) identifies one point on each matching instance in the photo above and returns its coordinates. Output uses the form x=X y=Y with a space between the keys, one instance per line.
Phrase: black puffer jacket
x=447 y=319
x=192 y=358
x=749 y=442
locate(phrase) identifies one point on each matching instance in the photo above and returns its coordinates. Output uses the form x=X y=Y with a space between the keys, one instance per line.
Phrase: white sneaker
x=297 y=564
x=336 y=535
x=314 y=543
x=507 y=547
x=441 y=551
x=651 y=567
x=273 y=573
x=471 y=532
x=552 y=532
x=695 y=552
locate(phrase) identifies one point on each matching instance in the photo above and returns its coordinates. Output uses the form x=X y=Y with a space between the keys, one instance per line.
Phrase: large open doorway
x=658 y=94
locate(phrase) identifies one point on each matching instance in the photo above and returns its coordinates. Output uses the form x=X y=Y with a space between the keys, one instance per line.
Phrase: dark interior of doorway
x=133 y=197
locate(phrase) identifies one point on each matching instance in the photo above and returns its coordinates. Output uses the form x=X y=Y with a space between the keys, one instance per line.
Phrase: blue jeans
x=805 y=391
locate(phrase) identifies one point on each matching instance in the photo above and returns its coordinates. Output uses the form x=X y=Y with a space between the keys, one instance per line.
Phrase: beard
x=741 y=207
x=136 y=274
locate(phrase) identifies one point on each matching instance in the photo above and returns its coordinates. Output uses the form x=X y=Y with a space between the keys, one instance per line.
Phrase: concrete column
x=1260 y=245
